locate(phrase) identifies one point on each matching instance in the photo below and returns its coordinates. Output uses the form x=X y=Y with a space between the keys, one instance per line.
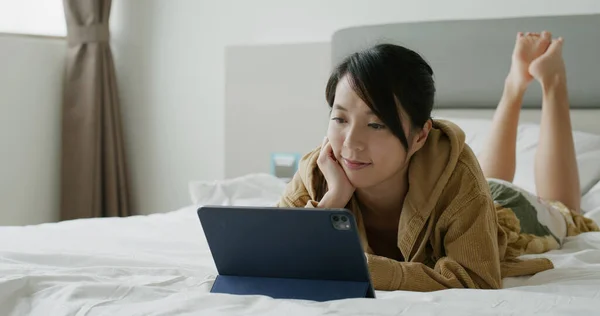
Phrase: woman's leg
x=499 y=156
x=498 y=159
x=556 y=172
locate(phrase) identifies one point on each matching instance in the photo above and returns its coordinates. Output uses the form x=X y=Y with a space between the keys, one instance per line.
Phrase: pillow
x=590 y=202
x=258 y=189
x=587 y=151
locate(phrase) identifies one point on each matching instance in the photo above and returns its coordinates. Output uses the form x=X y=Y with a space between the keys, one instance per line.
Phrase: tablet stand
x=314 y=290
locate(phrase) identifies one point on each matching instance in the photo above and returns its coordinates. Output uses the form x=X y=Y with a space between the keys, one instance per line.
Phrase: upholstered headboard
x=471 y=58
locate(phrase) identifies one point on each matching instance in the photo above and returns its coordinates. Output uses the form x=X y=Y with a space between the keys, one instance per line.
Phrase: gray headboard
x=470 y=59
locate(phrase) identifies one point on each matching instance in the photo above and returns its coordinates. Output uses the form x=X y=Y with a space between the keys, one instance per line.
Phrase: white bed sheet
x=161 y=265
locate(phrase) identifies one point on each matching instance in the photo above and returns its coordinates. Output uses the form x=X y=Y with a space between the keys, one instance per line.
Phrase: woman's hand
x=340 y=190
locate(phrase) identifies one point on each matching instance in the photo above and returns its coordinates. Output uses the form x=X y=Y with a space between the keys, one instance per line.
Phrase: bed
x=160 y=264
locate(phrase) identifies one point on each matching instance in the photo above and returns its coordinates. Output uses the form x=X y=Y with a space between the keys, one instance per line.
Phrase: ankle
x=514 y=89
x=555 y=82
x=554 y=91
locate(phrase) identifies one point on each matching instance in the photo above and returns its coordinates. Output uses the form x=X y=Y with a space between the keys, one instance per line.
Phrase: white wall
x=31 y=73
x=274 y=103
x=171 y=69
x=170 y=64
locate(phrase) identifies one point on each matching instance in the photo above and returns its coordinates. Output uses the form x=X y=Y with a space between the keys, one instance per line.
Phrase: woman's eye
x=338 y=119
x=377 y=126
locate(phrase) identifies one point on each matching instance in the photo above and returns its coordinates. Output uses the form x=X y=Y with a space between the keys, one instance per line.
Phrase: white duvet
x=160 y=265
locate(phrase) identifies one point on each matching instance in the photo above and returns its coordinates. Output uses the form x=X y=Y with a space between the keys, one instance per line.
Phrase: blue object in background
x=284 y=165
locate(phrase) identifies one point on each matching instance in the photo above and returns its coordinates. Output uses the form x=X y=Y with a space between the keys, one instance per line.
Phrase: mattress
x=161 y=265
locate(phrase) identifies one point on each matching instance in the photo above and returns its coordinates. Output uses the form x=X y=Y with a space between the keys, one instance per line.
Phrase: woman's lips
x=355 y=165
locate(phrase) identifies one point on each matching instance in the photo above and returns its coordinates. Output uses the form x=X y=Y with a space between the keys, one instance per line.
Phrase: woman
x=425 y=212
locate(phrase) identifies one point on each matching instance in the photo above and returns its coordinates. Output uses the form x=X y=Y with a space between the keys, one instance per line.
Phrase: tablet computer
x=293 y=253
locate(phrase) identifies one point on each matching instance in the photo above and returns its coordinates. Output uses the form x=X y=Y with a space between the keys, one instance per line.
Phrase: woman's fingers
x=325 y=141
x=325 y=150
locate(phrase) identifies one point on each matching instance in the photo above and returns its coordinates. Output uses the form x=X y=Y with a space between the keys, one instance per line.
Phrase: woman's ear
x=420 y=136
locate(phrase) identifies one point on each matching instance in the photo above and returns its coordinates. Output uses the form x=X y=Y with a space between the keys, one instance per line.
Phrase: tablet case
x=286 y=253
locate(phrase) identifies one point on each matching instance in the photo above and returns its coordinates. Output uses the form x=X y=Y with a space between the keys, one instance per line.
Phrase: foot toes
x=555 y=45
x=546 y=35
x=544 y=42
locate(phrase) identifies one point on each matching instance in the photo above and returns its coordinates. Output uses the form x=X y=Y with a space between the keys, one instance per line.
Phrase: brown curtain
x=93 y=171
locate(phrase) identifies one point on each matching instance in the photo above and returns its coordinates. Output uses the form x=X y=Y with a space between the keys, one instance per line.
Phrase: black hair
x=387 y=77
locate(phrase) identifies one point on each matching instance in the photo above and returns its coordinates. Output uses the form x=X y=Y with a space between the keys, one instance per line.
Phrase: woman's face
x=368 y=151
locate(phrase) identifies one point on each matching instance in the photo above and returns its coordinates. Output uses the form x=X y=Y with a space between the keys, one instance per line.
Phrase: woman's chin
x=359 y=182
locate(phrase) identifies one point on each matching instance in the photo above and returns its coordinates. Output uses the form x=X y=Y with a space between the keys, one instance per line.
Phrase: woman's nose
x=354 y=141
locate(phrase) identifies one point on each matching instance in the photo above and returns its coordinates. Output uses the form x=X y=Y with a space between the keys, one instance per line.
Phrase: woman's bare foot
x=549 y=68
x=528 y=47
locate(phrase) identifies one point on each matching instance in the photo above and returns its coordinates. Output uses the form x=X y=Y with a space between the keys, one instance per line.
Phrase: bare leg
x=556 y=171
x=498 y=160
x=499 y=156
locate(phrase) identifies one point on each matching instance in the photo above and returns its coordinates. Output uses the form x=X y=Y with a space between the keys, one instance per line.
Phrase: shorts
x=536 y=216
